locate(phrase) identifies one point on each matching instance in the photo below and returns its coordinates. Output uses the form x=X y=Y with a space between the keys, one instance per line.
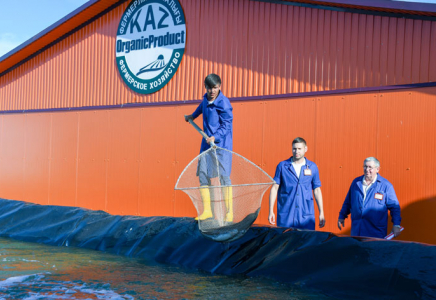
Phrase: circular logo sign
x=151 y=40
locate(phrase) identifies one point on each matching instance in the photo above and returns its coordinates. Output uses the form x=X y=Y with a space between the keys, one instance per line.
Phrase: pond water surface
x=35 y=271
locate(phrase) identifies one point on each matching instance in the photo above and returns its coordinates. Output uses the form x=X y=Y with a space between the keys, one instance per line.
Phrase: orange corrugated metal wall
x=258 y=48
x=126 y=161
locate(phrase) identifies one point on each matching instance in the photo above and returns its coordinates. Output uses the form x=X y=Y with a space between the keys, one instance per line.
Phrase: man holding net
x=295 y=179
x=218 y=125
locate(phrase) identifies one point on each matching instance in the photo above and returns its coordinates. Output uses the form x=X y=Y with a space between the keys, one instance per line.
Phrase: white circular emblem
x=151 y=40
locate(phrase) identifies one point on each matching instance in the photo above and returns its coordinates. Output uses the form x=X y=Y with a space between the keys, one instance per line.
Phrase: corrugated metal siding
x=258 y=48
x=127 y=161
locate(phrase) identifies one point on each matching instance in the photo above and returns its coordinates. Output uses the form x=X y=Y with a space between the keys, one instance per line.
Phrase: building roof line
x=401 y=7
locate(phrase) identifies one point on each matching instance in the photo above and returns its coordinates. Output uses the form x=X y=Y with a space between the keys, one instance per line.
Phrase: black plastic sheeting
x=343 y=267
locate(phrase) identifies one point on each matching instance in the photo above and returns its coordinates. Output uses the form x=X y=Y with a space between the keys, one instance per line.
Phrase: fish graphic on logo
x=158 y=64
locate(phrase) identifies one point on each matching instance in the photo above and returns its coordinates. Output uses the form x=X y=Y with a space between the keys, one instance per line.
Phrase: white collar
x=294 y=163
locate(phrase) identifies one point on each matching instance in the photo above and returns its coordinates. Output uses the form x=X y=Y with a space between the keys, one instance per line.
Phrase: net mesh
x=226 y=190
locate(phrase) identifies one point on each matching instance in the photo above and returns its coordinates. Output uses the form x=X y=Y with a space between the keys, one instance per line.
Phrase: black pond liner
x=338 y=266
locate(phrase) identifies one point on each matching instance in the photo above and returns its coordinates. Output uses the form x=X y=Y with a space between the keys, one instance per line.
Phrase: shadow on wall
x=418 y=221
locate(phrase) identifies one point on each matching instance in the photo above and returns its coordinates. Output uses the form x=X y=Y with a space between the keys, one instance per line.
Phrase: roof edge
x=415 y=9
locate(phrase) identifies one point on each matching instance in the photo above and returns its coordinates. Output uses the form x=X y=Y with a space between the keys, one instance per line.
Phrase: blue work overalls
x=370 y=218
x=295 y=199
x=217 y=122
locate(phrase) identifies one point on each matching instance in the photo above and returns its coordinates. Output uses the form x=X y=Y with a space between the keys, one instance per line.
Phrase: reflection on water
x=34 y=271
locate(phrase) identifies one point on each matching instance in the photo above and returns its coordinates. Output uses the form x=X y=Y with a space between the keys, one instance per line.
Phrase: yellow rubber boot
x=207 y=211
x=228 y=198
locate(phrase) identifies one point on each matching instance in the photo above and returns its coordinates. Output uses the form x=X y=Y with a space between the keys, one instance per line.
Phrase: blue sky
x=23 y=19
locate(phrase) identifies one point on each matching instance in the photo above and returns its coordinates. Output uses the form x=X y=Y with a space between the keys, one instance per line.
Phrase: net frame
x=231 y=185
x=222 y=231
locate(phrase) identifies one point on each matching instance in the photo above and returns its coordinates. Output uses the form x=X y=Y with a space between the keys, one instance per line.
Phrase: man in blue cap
x=295 y=179
x=368 y=200
x=218 y=125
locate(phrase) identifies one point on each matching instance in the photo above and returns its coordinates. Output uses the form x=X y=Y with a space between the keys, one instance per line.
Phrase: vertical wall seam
x=24 y=158
x=176 y=161
x=50 y=157
x=106 y=161
x=77 y=158
x=429 y=54
x=139 y=163
x=377 y=126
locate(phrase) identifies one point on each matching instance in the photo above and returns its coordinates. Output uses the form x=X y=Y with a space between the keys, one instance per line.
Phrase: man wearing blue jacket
x=295 y=179
x=218 y=125
x=368 y=200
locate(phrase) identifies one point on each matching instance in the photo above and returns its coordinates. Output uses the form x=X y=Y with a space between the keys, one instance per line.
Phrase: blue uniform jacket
x=371 y=218
x=217 y=121
x=295 y=199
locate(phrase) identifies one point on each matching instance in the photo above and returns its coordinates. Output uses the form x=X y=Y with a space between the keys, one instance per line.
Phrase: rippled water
x=35 y=271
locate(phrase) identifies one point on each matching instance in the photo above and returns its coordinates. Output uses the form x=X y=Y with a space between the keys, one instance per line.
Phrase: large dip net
x=226 y=190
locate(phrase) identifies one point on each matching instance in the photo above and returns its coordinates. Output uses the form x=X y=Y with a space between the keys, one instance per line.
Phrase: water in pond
x=35 y=271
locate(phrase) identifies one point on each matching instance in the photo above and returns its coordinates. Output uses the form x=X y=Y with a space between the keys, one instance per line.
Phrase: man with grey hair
x=369 y=198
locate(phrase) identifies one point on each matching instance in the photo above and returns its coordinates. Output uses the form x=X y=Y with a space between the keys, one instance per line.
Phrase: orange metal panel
x=296 y=55
x=36 y=158
x=339 y=81
x=252 y=132
x=158 y=163
x=406 y=135
x=127 y=160
x=361 y=50
x=333 y=52
x=384 y=36
x=320 y=59
x=123 y=159
x=313 y=53
x=399 y=52
x=369 y=35
x=354 y=48
x=63 y=158
x=416 y=50
x=341 y=146
x=283 y=121
x=301 y=49
x=90 y=158
x=408 y=55
x=347 y=52
x=425 y=52
x=307 y=55
x=391 y=47
x=282 y=80
x=12 y=154
x=432 y=59
x=252 y=51
x=92 y=154
x=260 y=49
x=187 y=147
x=242 y=22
